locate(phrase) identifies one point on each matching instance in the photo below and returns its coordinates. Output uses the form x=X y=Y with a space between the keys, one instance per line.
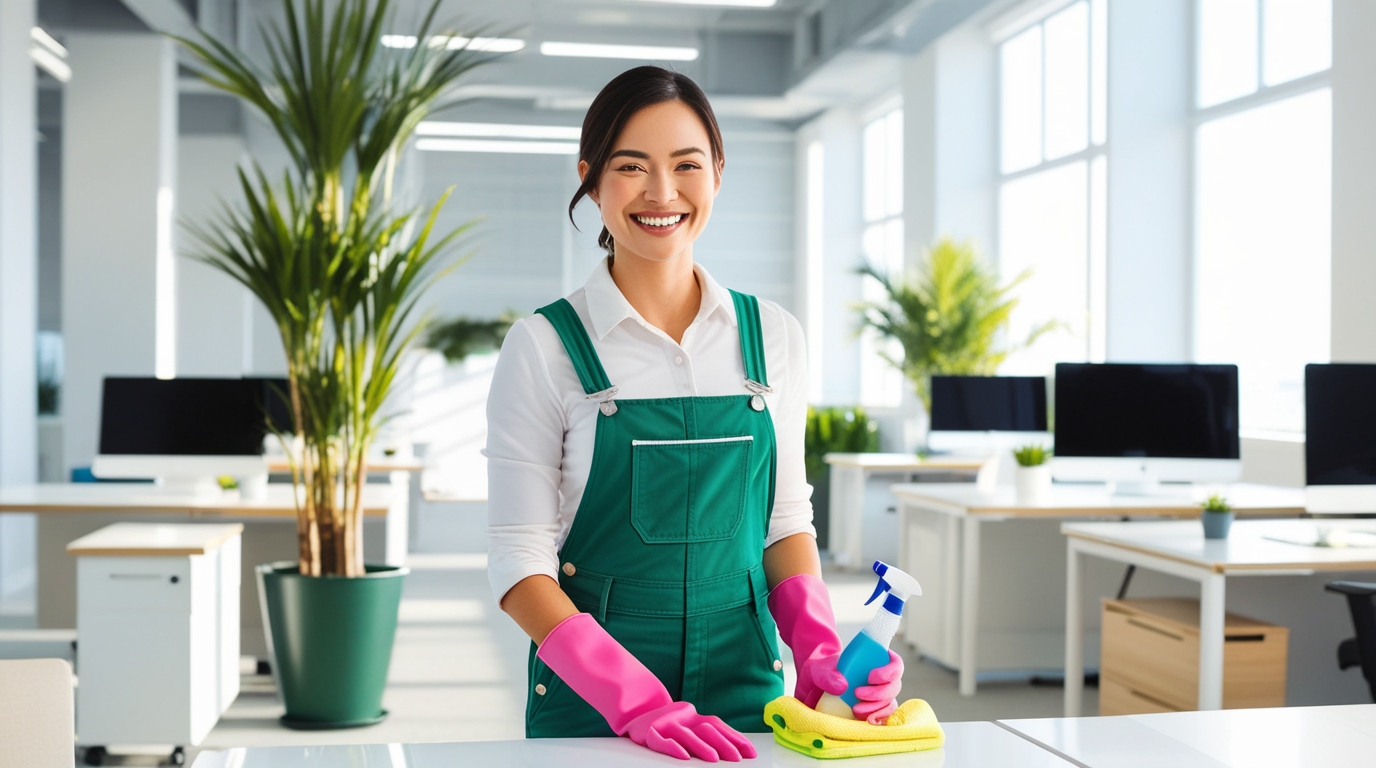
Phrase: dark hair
x=627 y=94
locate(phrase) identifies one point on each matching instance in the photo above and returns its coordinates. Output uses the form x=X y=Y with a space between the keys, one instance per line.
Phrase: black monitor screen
x=1340 y=424
x=989 y=403
x=182 y=417
x=1153 y=411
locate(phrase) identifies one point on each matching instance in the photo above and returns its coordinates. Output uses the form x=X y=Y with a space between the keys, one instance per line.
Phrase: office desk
x=968 y=745
x=848 y=474
x=1289 y=737
x=1180 y=549
x=944 y=623
x=67 y=511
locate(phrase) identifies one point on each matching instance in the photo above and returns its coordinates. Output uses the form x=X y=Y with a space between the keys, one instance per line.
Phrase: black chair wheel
x=178 y=757
x=94 y=756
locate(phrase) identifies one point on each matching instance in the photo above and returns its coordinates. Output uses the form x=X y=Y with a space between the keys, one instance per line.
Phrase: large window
x=881 y=385
x=1263 y=153
x=1053 y=163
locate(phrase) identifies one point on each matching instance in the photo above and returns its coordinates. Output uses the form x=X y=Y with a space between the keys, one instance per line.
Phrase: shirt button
x=778 y=665
x=540 y=690
x=687 y=386
x=678 y=360
x=569 y=570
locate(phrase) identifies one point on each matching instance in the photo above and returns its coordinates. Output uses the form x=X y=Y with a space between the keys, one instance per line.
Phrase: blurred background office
x=1183 y=181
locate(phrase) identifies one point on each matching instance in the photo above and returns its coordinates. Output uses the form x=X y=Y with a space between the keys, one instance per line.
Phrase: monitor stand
x=1147 y=487
x=198 y=486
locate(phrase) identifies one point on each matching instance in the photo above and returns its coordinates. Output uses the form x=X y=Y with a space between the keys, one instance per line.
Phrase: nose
x=660 y=188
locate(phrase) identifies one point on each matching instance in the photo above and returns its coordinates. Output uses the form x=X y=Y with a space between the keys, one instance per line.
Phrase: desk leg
x=1211 y=610
x=1074 y=633
x=838 y=516
x=969 y=605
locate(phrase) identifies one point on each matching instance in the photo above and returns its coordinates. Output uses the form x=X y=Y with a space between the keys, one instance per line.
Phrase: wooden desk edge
x=209 y=545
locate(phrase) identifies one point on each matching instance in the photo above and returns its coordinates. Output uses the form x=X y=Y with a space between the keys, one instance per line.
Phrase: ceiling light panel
x=485 y=44
x=730 y=3
x=602 y=51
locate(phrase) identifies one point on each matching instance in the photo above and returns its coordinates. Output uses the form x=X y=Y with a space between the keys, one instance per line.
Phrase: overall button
x=608 y=408
x=540 y=688
x=778 y=665
x=757 y=402
x=569 y=570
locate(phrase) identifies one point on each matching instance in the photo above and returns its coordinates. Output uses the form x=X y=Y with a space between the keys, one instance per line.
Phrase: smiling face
x=657 y=188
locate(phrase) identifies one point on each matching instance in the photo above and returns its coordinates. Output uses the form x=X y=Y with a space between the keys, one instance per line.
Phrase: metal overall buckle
x=606 y=402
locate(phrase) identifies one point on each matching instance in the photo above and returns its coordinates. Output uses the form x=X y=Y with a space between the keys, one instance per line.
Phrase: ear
x=583 y=168
x=716 y=186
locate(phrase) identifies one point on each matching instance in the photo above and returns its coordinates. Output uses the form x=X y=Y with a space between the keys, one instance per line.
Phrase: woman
x=648 y=514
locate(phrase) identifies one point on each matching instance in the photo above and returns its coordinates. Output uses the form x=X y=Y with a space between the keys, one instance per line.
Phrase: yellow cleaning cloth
x=912 y=728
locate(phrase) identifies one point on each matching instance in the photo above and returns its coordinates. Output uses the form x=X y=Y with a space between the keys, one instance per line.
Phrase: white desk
x=1180 y=549
x=846 y=502
x=944 y=623
x=67 y=511
x=1290 y=737
x=968 y=745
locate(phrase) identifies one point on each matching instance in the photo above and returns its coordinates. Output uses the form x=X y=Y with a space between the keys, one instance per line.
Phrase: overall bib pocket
x=688 y=491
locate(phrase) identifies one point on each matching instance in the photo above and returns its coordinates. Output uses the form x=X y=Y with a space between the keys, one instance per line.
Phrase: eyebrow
x=645 y=156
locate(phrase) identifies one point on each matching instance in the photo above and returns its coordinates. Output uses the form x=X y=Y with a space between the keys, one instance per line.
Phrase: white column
x=1354 y=181
x=18 y=246
x=119 y=174
x=1149 y=180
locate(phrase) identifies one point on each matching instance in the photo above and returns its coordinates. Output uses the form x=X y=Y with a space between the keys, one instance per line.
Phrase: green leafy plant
x=1031 y=455
x=459 y=337
x=947 y=316
x=1216 y=503
x=338 y=269
x=836 y=430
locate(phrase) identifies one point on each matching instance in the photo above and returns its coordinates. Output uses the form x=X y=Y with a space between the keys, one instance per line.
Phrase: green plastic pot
x=331 y=641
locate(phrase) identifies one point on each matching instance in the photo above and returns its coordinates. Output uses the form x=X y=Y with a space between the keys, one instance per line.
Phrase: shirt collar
x=607 y=307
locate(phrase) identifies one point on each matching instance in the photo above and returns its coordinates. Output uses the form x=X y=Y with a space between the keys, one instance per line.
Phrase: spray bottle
x=869 y=650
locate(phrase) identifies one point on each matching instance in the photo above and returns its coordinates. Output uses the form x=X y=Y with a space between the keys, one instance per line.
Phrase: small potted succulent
x=1217 y=517
x=1033 y=480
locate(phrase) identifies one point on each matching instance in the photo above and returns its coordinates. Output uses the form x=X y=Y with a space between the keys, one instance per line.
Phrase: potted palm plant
x=948 y=316
x=341 y=273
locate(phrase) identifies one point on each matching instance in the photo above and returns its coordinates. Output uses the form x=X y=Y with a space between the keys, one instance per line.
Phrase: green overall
x=666 y=548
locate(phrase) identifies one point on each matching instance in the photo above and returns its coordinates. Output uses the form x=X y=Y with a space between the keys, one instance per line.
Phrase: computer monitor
x=183 y=432
x=981 y=414
x=1136 y=425
x=1340 y=438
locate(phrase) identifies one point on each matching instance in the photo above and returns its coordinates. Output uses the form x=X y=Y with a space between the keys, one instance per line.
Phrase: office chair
x=37 y=726
x=1359 y=650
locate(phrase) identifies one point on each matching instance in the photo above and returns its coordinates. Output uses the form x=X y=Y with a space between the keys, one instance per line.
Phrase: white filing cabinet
x=157 y=632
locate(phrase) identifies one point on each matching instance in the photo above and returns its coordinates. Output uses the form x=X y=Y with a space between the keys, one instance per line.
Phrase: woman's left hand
x=876 y=701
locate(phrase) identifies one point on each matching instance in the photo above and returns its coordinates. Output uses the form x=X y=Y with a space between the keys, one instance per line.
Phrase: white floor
x=459 y=665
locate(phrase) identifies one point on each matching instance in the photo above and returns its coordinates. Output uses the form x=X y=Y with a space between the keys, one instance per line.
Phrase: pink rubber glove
x=634 y=702
x=802 y=608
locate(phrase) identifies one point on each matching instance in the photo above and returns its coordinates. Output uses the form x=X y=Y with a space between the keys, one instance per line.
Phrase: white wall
x=1354 y=181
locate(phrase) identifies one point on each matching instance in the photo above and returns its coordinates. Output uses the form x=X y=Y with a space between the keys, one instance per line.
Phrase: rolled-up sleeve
x=792 y=495
x=525 y=442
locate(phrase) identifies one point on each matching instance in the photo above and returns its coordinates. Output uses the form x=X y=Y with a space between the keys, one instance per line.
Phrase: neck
x=665 y=293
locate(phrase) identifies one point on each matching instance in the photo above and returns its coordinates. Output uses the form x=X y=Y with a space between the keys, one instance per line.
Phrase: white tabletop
x=900 y=462
x=146 y=497
x=1245 y=550
x=1067 y=500
x=968 y=745
x=1291 y=737
x=156 y=539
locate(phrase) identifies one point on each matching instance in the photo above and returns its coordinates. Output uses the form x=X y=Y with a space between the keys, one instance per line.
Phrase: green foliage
x=947 y=316
x=1031 y=455
x=1216 y=503
x=460 y=337
x=340 y=272
x=836 y=430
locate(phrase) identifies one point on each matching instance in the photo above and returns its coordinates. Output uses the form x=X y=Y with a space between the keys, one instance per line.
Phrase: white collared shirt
x=540 y=426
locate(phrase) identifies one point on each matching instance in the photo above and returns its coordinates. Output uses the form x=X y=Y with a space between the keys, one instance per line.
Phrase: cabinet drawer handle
x=1153 y=700
x=143 y=577
x=1157 y=630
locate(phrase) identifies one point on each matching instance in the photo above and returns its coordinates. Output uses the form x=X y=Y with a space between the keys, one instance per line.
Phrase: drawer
x=161 y=584
x=1116 y=698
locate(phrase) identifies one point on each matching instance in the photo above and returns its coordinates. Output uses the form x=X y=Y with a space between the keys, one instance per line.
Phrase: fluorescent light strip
x=734 y=3
x=489 y=145
x=485 y=44
x=498 y=130
x=51 y=64
x=40 y=36
x=601 y=51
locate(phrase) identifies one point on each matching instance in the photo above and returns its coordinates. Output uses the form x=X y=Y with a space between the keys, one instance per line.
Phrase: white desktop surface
x=1245 y=550
x=1091 y=500
x=146 y=497
x=968 y=745
x=1290 y=737
x=904 y=462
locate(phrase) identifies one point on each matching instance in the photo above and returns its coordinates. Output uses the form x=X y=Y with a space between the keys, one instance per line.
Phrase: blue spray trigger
x=879 y=567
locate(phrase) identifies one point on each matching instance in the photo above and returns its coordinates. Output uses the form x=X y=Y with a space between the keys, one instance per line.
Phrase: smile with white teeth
x=659 y=221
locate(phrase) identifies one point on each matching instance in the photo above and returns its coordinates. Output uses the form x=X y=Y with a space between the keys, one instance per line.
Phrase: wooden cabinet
x=1149 y=658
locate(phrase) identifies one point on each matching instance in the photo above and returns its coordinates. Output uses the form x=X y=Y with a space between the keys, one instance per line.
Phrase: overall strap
x=569 y=326
x=752 y=339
